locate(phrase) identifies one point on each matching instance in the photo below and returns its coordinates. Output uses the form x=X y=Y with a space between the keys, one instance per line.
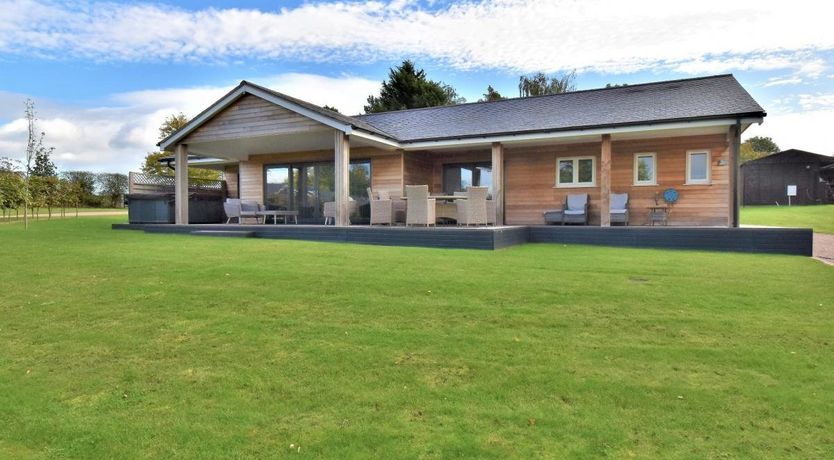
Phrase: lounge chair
x=472 y=210
x=232 y=209
x=251 y=210
x=576 y=211
x=421 y=208
x=619 y=208
x=239 y=209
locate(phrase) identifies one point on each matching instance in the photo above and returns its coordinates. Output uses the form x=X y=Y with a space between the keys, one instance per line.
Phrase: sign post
x=791 y=192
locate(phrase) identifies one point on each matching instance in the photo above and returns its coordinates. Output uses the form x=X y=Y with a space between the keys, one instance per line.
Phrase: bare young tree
x=31 y=145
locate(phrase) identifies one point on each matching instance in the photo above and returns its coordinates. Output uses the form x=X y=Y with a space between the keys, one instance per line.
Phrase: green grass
x=820 y=218
x=119 y=344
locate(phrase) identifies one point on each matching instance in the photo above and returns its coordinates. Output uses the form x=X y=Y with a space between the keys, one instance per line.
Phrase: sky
x=104 y=75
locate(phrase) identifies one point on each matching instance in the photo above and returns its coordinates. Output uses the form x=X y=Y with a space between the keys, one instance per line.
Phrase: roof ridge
x=589 y=90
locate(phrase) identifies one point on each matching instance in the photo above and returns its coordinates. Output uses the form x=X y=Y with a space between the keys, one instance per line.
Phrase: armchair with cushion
x=619 y=208
x=576 y=211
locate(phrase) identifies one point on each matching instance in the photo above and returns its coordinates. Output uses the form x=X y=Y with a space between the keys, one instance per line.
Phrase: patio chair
x=576 y=211
x=472 y=210
x=382 y=211
x=232 y=209
x=251 y=210
x=421 y=208
x=329 y=211
x=619 y=208
x=491 y=212
x=555 y=216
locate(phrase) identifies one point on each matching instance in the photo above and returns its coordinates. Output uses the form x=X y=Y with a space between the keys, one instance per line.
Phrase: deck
x=752 y=240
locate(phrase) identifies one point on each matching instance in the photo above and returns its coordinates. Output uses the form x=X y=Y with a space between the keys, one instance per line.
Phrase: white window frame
x=653 y=180
x=689 y=180
x=575 y=183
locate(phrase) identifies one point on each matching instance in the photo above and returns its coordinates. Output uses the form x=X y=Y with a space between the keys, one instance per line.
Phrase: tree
x=539 y=84
x=330 y=108
x=409 y=88
x=615 y=85
x=171 y=124
x=113 y=186
x=44 y=167
x=153 y=166
x=84 y=184
x=757 y=147
x=491 y=95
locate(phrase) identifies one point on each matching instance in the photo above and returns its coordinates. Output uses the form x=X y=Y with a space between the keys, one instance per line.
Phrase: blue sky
x=104 y=74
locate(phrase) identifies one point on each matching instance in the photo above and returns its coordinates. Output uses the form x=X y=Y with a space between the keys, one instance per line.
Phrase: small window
x=697 y=167
x=645 y=169
x=576 y=172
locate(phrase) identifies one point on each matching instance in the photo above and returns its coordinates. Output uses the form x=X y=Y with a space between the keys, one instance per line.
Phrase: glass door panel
x=278 y=193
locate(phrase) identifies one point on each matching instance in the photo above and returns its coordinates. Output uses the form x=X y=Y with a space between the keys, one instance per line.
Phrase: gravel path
x=824 y=247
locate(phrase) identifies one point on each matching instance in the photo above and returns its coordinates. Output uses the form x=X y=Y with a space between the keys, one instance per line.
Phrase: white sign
x=791 y=190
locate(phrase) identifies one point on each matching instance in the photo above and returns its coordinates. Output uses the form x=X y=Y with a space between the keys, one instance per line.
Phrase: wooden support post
x=735 y=190
x=605 y=182
x=498 y=181
x=181 y=185
x=341 y=149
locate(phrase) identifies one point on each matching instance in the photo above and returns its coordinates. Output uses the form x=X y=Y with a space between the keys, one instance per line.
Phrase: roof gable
x=251 y=116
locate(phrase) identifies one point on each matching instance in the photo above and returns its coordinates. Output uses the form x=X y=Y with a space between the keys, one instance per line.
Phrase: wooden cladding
x=531 y=171
x=530 y=176
x=252 y=116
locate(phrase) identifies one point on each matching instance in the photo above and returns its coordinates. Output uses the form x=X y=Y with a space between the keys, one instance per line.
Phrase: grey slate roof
x=718 y=96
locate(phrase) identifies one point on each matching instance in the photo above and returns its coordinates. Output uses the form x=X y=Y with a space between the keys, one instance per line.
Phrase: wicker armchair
x=421 y=208
x=473 y=210
x=382 y=211
x=329 y=211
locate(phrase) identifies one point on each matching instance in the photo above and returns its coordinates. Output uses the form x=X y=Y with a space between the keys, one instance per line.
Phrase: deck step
x=225 y=233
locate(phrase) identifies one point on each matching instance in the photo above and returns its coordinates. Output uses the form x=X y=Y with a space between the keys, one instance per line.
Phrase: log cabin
x=643 y=139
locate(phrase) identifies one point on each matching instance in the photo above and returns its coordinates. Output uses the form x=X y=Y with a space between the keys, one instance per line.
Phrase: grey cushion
x=618 y=211
x=576 y=202
x=619 y=201
x=574 y=212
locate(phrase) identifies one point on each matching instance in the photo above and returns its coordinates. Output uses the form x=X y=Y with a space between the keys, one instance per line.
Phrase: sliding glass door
x=459 y=177
x=305 y=187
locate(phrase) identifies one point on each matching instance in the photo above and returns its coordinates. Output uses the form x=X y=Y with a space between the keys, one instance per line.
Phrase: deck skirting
x=794 y=241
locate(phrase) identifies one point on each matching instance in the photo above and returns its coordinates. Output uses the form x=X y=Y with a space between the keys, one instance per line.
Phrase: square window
x=576 y=172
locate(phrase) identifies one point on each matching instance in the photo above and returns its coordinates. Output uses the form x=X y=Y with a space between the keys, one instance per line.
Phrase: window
x=697 y=167
x=459 y=177
x=576 y=172
x=645 y=169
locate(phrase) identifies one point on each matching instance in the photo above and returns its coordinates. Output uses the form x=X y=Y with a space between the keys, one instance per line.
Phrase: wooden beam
x=605 y=182
x=181 y=185
x=498 y=181
x=341 y=147
x=735 y=190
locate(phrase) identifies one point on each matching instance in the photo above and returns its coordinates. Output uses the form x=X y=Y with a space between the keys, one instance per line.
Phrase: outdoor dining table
x=441 y=197
x=659 y=214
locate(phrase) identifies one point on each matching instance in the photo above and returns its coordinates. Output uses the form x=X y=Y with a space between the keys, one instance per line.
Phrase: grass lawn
x=820 y=218
x=120 y=344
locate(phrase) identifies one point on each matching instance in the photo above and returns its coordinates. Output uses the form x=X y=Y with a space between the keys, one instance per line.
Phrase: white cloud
x=781 y=81
x=610 y=36
x=116 y=136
